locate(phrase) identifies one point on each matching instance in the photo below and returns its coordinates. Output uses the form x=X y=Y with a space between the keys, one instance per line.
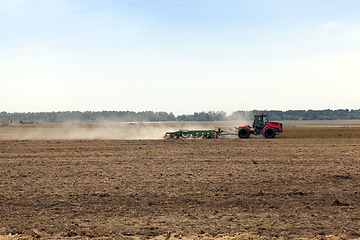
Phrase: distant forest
x=146 y=116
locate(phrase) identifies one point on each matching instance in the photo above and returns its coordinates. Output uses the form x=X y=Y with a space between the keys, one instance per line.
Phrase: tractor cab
x=259 y=120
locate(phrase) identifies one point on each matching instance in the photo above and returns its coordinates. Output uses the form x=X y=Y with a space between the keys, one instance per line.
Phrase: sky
x=179 y=56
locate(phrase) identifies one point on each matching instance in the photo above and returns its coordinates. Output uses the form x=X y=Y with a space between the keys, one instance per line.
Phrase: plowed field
x=288 y=187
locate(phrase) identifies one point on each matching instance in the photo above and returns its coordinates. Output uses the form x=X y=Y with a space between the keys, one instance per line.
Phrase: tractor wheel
x=269 y=133
x=244 y=133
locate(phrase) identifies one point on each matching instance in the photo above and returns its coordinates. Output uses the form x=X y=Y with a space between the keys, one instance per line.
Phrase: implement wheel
x=244 y=133
x=185 y=135
x=269 y=132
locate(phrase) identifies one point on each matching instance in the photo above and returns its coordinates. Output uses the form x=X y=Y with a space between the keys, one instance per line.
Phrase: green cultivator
x=197 y=133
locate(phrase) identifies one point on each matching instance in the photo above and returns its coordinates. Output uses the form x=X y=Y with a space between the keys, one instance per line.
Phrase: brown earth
x=283 y=188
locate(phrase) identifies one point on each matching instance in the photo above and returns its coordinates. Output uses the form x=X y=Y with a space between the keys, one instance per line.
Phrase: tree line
x=145 y=116
x=327 y=114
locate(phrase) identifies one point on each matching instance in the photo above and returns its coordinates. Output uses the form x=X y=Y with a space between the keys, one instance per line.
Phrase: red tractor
x=261 y=125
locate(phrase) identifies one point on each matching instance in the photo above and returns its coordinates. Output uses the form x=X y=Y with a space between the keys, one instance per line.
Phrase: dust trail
x=149 y=130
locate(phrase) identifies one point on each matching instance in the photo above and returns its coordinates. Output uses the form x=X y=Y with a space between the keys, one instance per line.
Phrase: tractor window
x=264 y=121
x=258 y=122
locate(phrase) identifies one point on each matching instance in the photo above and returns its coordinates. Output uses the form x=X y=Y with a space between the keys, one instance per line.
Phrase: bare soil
x=282 y=188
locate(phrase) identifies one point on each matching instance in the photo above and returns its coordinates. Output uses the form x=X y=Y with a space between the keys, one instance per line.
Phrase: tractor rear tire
x=244 y=133
x=269 y=132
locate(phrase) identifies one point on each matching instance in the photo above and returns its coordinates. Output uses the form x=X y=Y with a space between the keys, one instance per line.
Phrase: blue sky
x=179 y=56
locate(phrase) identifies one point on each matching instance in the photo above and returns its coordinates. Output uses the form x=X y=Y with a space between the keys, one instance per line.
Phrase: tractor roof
x=259 y=115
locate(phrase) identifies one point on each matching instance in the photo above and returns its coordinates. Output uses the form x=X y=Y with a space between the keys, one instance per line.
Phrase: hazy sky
x=179 y=56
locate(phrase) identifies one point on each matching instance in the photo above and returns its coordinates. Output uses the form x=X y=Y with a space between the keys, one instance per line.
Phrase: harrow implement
x=197 y=133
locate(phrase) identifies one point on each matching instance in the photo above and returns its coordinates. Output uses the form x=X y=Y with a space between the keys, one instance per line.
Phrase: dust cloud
x=106 y=131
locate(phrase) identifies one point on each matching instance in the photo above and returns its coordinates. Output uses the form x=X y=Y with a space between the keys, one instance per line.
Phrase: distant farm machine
x=260 y=126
